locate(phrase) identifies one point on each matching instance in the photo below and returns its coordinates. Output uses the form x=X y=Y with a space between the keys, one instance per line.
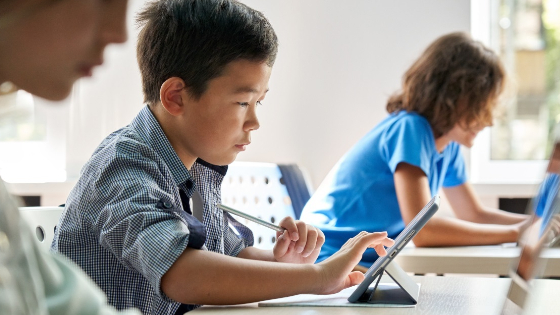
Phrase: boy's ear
x=172 y=95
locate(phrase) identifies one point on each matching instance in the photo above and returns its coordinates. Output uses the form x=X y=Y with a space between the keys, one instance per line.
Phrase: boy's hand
x=300 y=243
x=337 y=269
x=522 y=226
x=552 y=229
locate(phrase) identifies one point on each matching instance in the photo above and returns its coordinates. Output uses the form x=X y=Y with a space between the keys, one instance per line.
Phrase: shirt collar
x=150 y=130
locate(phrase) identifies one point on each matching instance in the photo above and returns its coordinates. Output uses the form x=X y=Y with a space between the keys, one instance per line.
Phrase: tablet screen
x=402 y=239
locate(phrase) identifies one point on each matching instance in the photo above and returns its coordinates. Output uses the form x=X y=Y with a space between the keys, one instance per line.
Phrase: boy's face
x=218 y=125
x=47 y=50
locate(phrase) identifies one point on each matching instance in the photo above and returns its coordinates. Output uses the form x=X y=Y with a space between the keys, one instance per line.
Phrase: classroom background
x=338 y=63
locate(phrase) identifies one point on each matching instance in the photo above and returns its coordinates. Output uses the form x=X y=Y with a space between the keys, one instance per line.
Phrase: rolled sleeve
x=127 y=220
x=143 y=223
x=236 y=236
x=409 y=141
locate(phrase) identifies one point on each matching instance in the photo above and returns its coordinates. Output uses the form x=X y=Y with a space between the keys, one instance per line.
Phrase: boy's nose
x=251 y=119
x=252 y=122
x=113 y=26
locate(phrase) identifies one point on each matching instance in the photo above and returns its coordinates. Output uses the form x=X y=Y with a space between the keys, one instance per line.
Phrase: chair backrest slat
x=259 y=189
x=42 y=221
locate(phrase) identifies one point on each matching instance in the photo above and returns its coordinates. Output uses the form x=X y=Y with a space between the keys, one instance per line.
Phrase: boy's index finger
x=388 y=242
x=376 y=238
x=289 y=224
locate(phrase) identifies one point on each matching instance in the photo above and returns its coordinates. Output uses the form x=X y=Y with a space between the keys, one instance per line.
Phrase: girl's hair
x=456 y=79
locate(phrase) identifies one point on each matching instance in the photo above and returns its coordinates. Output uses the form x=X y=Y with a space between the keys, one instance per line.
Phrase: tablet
x=375 y=271
x=543 y=232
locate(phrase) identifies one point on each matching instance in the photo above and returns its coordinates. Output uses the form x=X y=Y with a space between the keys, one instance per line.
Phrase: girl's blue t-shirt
x=359 y=193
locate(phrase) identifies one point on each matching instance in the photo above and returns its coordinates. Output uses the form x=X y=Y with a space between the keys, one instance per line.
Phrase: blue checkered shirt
x=128 y=219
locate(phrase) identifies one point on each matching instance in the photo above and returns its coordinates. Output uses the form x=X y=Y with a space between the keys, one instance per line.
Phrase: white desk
x=438 y=295
x=470 y=259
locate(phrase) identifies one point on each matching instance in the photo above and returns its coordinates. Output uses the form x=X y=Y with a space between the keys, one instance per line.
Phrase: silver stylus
x=252 y=218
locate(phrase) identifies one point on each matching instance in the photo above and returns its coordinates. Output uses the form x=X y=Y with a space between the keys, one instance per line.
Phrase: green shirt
x=34 y=281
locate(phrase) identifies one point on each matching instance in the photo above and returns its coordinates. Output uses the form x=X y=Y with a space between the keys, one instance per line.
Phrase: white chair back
x=42 y=221
x=257 y=189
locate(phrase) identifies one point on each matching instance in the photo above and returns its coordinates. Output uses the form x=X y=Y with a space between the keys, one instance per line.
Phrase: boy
x=128 y=223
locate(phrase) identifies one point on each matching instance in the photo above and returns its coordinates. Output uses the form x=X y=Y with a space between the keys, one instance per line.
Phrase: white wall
x=106 y=102
x=338 y=62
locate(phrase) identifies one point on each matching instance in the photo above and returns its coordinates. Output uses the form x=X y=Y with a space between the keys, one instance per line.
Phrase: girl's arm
x=466 y=206
x=413 y=192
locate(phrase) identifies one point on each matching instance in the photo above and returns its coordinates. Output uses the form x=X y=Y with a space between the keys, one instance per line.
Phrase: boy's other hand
x=337 y=269
x=300 y=243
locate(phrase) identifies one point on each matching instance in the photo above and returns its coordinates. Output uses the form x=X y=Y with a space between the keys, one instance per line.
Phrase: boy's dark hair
x=456 y=79
x=195 y=39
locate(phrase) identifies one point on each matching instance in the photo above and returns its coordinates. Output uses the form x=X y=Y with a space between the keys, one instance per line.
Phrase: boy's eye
x=245 y=104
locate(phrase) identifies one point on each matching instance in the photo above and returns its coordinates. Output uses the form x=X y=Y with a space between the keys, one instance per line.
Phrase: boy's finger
x=380 y=250
x=373 y=238
x=354 y=278
x=320 y=238
x=388 y=242
x=302 y=240
x=311 y=241
x=379 y=246
x=292 y=246
x=282 y=244
x=364 y=239
x=290 y=224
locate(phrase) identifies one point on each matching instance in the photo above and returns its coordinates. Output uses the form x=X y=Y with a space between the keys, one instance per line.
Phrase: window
x=526 y=35
x=32 y=138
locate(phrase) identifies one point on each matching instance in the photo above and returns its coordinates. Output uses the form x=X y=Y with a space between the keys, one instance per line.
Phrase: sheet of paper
x=339 y=299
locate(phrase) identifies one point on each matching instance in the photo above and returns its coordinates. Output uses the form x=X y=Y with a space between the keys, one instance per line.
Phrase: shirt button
x=167 y=204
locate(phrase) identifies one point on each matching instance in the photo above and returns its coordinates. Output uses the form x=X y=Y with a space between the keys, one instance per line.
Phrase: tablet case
x=406 y=292
x=365 y=293
x=340 y=299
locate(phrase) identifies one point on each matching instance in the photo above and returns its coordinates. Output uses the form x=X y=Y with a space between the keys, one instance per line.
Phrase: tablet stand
x=405 y=293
